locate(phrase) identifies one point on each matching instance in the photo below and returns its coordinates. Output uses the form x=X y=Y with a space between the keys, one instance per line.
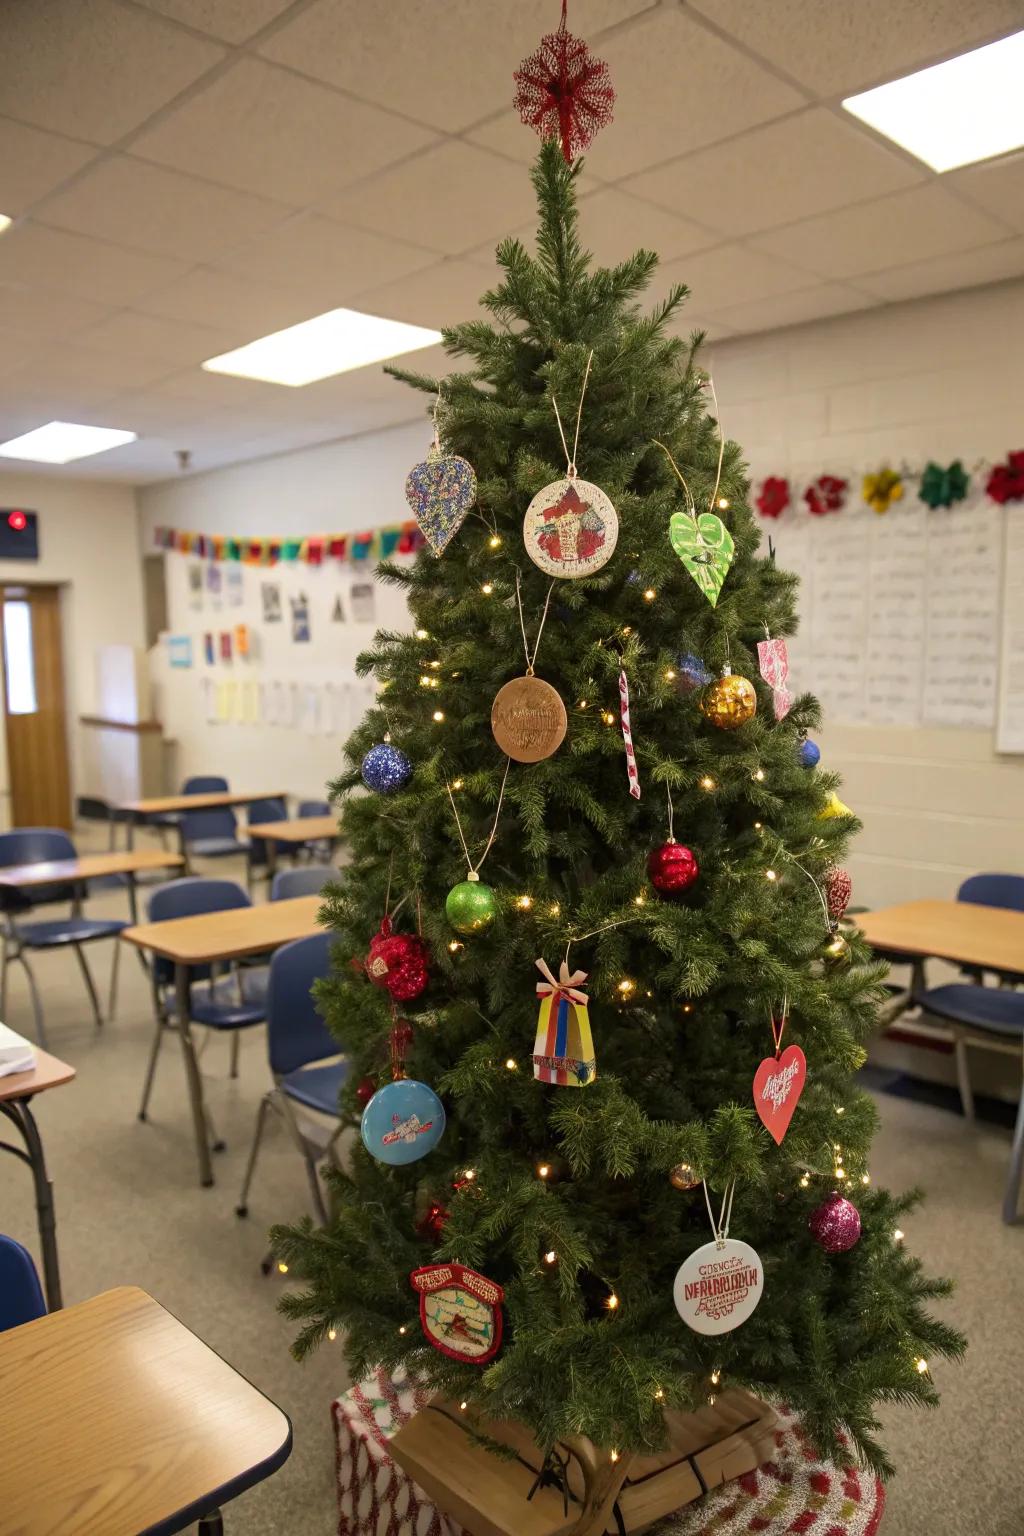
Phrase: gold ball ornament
x=836 y=953
x=682 y=1176
x=730 y=702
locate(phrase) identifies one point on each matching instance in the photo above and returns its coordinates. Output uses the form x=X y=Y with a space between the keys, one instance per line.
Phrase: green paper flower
x=942 y=487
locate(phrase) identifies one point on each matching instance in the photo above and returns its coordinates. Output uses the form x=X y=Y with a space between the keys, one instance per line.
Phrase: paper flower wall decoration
x=827 y=494
x=1006 y=482
x=882 y=489
x=773 y=496
x=942 y=487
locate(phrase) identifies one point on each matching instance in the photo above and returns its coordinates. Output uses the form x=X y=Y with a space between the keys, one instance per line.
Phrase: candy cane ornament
x=627 y=737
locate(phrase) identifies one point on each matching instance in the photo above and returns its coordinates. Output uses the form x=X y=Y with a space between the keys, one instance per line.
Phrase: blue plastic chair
x=307 y=880
x=21 y=1295
x=258 y=811
x=298 y=1041
x=318 y=847
x=227 y=1009
x=29 y=845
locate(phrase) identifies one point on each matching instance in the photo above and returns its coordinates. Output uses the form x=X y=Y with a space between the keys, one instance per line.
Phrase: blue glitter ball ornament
x=385 y=769
x=692 y=672
x=440 y=491
x=402 y=1122
x=810 y=752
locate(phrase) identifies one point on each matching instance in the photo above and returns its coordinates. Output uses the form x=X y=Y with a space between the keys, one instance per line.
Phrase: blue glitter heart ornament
x=440 y=491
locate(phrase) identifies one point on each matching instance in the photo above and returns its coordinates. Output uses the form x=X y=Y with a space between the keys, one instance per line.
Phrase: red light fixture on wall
x=17 y=520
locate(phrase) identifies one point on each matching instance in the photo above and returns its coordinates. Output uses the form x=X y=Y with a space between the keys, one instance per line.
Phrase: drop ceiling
x=187 y=175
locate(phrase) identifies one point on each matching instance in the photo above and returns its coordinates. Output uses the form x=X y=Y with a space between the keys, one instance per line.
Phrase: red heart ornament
x=778 y=1084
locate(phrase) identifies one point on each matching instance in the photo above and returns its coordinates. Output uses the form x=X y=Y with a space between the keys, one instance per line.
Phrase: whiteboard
x=900 y=614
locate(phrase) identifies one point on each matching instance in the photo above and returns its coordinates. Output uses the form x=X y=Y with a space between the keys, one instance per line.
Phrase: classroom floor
x=130 y=1210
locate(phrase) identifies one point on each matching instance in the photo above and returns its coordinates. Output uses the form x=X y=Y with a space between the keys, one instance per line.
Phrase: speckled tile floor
x=130 y=1211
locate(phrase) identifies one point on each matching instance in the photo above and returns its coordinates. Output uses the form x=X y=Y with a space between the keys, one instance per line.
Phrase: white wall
x=88 y=542
x=939 y=378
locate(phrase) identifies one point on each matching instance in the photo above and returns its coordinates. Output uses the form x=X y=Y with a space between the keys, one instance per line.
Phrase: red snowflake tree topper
x=563 y=92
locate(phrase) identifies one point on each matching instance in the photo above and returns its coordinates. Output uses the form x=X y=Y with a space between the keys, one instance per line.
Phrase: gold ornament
x=528 y=719
x=836 y=953
x=683 y=1176
x=730 y=702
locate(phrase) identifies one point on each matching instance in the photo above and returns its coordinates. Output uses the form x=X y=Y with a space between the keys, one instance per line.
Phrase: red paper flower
x=1006 y=482
x=563 y=92
x=827 y=494
x=773 y=496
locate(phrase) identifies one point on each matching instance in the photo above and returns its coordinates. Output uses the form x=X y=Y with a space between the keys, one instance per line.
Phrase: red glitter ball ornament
x=398 y=963
x=835 y=1225
x=838 y=890
x=431 y=1223
x=365 y=1090
x=672 y=868
x=563 y=92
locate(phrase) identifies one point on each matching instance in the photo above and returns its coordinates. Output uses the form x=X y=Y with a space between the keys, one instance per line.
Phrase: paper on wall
x=964 y=553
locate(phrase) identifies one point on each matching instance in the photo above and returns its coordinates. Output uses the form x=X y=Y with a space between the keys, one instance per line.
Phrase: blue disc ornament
x=440 y=490
x=385 y=769
x=402 y=1122
x=810 y=753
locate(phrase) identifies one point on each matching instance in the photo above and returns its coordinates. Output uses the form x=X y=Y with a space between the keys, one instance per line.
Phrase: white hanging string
x=530 y=660
x=668 y=793
x=570 y=458
x=817 y=888
x=721 y=1228
x=474 y=869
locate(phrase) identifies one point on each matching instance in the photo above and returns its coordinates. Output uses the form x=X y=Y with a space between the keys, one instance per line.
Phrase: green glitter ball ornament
x=471 y=905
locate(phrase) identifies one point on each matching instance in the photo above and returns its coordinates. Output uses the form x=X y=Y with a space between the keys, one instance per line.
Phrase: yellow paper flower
x=881 y=490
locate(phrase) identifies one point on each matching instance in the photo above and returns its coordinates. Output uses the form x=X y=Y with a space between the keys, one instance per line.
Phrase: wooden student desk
x=215 y=800
x=17 y=1090
x=991 y=938
x=90 y=866
x=115 y=1419
x=213 y=936
x=293 y=834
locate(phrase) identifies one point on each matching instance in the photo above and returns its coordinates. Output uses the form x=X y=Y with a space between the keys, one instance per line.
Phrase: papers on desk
x=16 y=1053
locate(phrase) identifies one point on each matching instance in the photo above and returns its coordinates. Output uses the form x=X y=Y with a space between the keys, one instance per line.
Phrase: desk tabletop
x=302 y=829
x=990 y=937
x=208 y=802
x=48 y=1072
x=89 y=866
x=114 y=1418
x=228 y=935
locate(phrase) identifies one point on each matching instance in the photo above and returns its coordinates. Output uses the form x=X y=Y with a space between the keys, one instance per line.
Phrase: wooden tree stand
x=491 y=1495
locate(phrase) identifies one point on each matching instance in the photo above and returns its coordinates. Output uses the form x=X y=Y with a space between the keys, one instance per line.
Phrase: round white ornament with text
x=570 y=528
x=718 y=1287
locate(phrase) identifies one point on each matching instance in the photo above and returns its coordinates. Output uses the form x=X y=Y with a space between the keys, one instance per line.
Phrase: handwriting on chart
x=839 y=620
x=964 y=559
x=897 y=618
x=1010 y=718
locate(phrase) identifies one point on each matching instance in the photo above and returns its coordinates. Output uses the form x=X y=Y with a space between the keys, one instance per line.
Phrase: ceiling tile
x=232 y=20
x=415 y=55
x=34 y=254
x=208 y=297
x=889 y=231
x=133 y=335
x=264 y=130
x=613 y=226
x=42 y=312
x=17 y=347
x=441 y=295
x=793 y=308
x=450 y=198
x=969 y=269
x=32 y=163
x=997 y=185
x=701 y=90
x=216 y=391
x=94 y=71
x=778 y=173
x=152 y=209
x=323 y=261
x=71 y=366
x=727 y=276
x=838 y=46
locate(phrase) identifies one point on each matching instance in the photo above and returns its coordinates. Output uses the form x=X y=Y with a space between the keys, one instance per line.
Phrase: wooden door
x=34 y=710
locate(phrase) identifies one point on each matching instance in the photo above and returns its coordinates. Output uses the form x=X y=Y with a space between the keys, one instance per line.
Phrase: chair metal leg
x=235 y=1043
x=192 y=1078
x=158 y=1040
x=89 y=983
x=3 y=975
x=242 y=1208
x=114 y=968
x=963 y=1075
x=211 y=1524
x=1011 y=1194
x=310 y=1162
x=37 y=1007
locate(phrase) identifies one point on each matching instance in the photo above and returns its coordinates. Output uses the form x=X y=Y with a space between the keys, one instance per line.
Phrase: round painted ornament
x=835 y=1225
x=402 y=1122
x=730 y=702
x=528 y=719
x=398 y=962
x=809 y=753
x=460 y=1311
x=384 y=769
x=471 y=905
x=570 y=528
x=672 y=868
x=441 y=489
x=717 y=1288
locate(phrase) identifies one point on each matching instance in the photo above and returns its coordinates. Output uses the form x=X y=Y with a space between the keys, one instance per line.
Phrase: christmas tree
x=691 y=876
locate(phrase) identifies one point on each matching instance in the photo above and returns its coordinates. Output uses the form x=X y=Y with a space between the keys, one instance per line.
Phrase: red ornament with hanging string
x=563 y=92
x=398 y=962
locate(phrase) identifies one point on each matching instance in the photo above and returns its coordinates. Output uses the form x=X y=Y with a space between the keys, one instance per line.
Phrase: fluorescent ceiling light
x=4 y=222
x=968 y=109
x=61 y=441
x=336 y=342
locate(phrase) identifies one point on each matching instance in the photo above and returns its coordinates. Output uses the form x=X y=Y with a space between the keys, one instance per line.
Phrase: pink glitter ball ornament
x=835 y=1225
